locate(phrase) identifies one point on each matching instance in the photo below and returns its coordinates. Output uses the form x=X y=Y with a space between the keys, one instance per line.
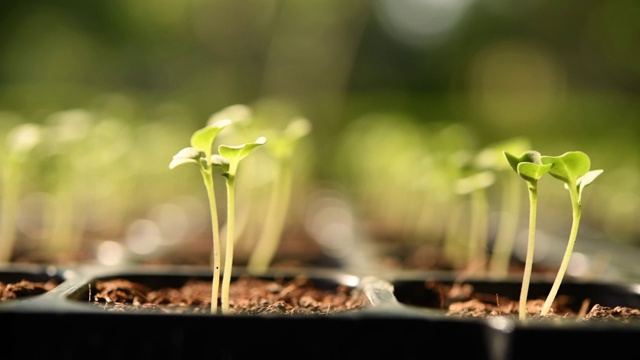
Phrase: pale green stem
x=508 y=227
x=8 y=215
x=577 y=211
x=478 y=231
x=264 y=252
x=207 y=176
x=453 y=237
x=228 y=258
x=531 y=242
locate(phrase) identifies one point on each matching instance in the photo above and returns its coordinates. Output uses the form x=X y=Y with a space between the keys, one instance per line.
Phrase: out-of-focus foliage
x=565 y=75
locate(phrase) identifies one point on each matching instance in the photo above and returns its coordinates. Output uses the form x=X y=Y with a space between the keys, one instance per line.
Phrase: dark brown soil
x=24 y=288
x=461 y=300
x=247 y=295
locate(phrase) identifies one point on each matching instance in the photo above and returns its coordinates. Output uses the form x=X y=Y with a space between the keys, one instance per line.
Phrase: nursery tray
x=510 y=338
x=65 y=324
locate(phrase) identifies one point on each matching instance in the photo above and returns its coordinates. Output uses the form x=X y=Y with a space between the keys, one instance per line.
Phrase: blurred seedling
x=20 y=141
x=282 y=147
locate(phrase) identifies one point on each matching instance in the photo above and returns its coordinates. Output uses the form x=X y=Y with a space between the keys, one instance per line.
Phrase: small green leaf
x=532 y=172
x=203 y=139
x=184 y=156
x=238 y=113
x=587 y=179
x=569 y=166
x=528 y=166
x=530 y=156
x=490 y=157
x=234 y=154
x=284 y=144
x=477 y=181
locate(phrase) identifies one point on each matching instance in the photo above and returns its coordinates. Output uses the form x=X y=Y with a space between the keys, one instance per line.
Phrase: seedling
x=21 y=140
x=200 y=154
x=492 y=158
x=531 y=169
x=229 y=157
x=572 y=168
x=283 y=150
x=475 y=187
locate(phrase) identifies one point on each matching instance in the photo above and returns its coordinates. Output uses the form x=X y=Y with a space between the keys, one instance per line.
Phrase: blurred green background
x=563 y=74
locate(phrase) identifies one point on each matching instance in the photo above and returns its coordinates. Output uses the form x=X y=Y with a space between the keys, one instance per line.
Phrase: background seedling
x=283 y=148
x=531 y=169
x=492 y=158
x=572 y=168
x=20 y=141
x=475 y=187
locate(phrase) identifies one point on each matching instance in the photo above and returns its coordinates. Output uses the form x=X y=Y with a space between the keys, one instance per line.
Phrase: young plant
x=200 y=154
x=572 y=168
x=229 y=157
x=492 y=158
x=475 y=186
x=531 y=169
x=20 y=142
x=283 y=150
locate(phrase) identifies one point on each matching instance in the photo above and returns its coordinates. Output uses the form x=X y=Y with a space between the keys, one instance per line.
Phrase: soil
x=461 y=300
x=247 y=295
x=24 y=288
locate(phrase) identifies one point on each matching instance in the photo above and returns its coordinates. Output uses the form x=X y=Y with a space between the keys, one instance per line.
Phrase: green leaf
x=203 y=139
x=477 y=181
x=587 y=179
x=284 y=145
x=568 y=167
x=528 y=165
x=491 y=156
x=187 y=155
x=236 y=113
x=530 y=156
x=234 y=154
x=532 y=172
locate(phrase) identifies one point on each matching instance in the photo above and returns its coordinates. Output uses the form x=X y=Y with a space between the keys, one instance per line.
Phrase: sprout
x=229 y=159
x=200 y=154
x=283 y=149
x=492 y=157
x=572 y=168
x=475 y=186
x=531 y=169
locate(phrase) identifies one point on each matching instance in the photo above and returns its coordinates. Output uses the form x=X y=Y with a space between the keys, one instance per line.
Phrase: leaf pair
x=572 y=168
x=200 y=151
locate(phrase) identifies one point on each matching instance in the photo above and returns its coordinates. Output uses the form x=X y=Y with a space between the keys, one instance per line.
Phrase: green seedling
x=200 y=154
x=229 y=157
x=572 y=168
x=531 y=169
x=475 y=187
x=283 y=149
x=21 y=140
x=492 y=158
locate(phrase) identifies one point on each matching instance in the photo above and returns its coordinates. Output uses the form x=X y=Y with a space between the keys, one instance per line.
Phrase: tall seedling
x=229 y=157
x=200 y=154
x=572 y=168
x=531 y=169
